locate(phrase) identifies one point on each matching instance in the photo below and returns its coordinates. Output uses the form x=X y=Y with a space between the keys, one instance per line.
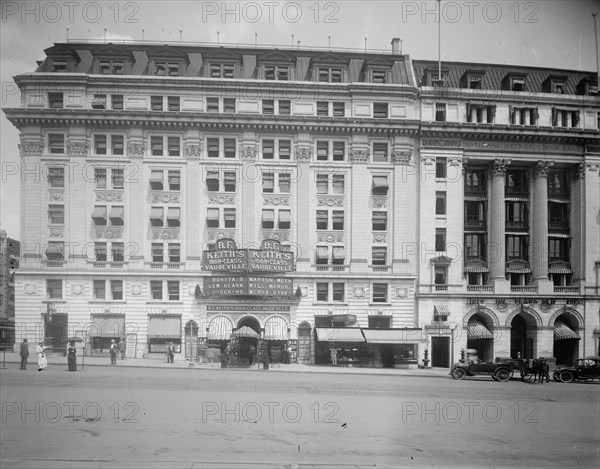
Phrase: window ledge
x=163 y=302
x=371 y=303
x=96 y=301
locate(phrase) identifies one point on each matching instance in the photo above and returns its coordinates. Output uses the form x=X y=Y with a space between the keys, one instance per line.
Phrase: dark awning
x=476 y=330
x=563 y=332
x=397 y=336
x=339 y=335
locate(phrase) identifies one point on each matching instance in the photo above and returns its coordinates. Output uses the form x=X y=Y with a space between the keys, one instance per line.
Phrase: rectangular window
x=212 y=217
x=475 y=214
x=100 y=144
x=337 y=220
x=117 y=145
x=54 y=289
x=229 y=181
x=229 y=147
x=380 y=185
x=173 y=217
x=173 y=289
x=229 y=105
x=117 y=102
x=440 y=239
x=100 y=178
x=380 y=293
x=558 y=249
x=59 y=67
x=156 y=145
x=212 y=104
x=174 y=180
x=212 y=181
x=285 y=149
x=331 y=75
x=440 y=275
x=440 y=203
x=157 y=252
x=56 y=214
x=268 y=149
x=268 y=182
x=380 y=151
x=118 y=178
x=99 y=101
x=174 y=252
x=474 y=181
x=379 y=255
x=100 y=252
x=284 y=183
x=156 y=180
x=55 y=251
x=55 y=100
x=99 y=290
x=440 y=112
x=338 y=183
x=322 y=108
x=322 y=183
x=440 y=167
x=284 y=219
x=229 y=217
x=173 y=103
x=157 y=216
x=174 y=146
x=268 y=219
x=322 y=291
x=379 y=221
x=116 y=289
x=339 y=109
x=516 y=248
x=156 y=287
x=56 y=143
x=322 y=219
x=517 y=182
x=338 y=255
x=380 y=110
x=212 y=145
x=475 y=82
x=284 y=107
x=99 y=215
x=268 y=106
x=322 y=151
x=379 y=76
x=473 y=246
x=156 y=103
x=322 y=255
x=56 y=176
x=117 y=216
x=339 y=151
x=338 y=291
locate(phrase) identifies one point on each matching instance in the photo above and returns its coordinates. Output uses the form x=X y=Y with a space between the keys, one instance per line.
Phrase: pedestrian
x=24 y=354
x=225 y=357
x=251 y=354
x=288 y=354
x=333 y=352
x=42 y=360
x=72 y=358
x=113 y=352
x=122 y=348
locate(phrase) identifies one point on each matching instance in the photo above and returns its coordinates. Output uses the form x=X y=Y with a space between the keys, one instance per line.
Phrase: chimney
x=396 y=45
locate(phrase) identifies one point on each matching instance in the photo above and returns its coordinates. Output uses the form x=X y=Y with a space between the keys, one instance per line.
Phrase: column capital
x=499 y=167
x=542 y=168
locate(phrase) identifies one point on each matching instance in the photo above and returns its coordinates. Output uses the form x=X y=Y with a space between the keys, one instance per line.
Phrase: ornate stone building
x=417 y=213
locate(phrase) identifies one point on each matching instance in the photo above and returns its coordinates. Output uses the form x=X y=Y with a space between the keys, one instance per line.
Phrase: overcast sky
x=549 y=33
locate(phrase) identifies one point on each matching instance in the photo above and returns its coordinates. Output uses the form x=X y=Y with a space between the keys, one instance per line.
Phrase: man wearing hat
x=24 y=354
x=113 y=352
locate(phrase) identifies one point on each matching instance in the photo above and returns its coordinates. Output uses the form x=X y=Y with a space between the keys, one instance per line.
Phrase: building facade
x=325 y=200
x=9 y=262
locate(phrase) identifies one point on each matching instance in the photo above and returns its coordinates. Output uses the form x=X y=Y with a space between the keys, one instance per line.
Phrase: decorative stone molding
x=330 y=201
x=276 y=200
x=360 y=155
x=56 y=195
x=164 y=197
x=379 y=202
x=330 y=237
x=136 y=289
x=109 y=196
x=428 y=160
x=56 y=232
x=455 y=161
x=359 y=292
x=403 y=157
x=592 y=166
x=499 y=167
x=580 y=173
x=136 y=149
x=401 y=292
x=109 y=233
x=304 y=153
x=221 y=199
x=281 y=235
x=214 y=235
x=542 y=168
x=248 y=152
x=31 y=148
x=193 y=151
x=77 y=289
x=379 y=237
x=75 y=148
x=165 y=233
x=30 y=289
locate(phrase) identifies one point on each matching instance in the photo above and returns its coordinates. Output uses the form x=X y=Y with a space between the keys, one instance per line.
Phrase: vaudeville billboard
x=225 y=257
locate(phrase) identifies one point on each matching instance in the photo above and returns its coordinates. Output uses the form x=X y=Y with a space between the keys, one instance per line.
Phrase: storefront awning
x=399 y=336
x=107 y=325
x=476 y=330
x=164 y=327
x=339 y=335
x=246 y=331
x=563 y=332
x=276 y=328
x=219 y=328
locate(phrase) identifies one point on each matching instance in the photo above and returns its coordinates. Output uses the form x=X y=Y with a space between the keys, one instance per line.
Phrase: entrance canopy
x=245 y=331
x=563 y=332
x=477 y=330
x=382 y=336
x=339 y=335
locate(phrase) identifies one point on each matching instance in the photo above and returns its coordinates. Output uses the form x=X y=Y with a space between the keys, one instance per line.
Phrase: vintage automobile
x=586 y=369
x=498 y=371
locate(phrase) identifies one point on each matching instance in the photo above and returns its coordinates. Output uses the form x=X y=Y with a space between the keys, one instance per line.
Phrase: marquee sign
x=225 y=257
x=236 y=285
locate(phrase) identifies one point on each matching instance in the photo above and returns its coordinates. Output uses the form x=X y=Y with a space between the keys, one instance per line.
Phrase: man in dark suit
x=24 y=354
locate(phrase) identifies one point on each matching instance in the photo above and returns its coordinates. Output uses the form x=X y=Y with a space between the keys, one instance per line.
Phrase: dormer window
x=222 y=70
x=277 y=72
x=329 y=74
x=558 y=88
x=517 y=83
x=166 y=69
x=59 y=67
x=475 y=82
x=109 y=67
x=434 y=78
x=379 y=76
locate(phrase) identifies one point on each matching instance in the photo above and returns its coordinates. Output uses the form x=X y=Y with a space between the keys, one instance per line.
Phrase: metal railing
x=523 y=289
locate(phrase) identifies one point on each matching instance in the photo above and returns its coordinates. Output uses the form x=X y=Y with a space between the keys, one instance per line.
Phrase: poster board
x=130 y=345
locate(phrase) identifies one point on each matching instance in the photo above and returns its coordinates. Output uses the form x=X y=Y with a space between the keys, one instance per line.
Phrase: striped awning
x=441 y=310
x=164 y=327
x=477 y=330
x=107 y=325
x=339 y=335
x=398 y=336
x=220 y=327
x=246 y=331
x=276 y=328
x=476 y=268
x=563 y=332
x=559 y=270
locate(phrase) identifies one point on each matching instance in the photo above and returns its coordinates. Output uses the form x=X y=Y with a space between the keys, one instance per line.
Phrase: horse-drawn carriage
x=536 y=369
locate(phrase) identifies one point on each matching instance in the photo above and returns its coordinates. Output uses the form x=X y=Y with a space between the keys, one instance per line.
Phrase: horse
x=540 y=370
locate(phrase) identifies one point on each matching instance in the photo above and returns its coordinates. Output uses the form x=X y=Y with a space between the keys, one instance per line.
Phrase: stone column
x=539 y=227
x=497 y=244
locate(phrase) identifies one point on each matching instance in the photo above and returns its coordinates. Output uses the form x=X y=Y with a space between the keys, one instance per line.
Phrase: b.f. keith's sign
x=225 y=257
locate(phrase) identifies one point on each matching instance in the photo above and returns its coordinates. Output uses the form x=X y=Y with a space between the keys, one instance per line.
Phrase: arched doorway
x=191 y=340
x=523 y=336
x=480 y=336
x=304 y=343
x=244 y=349
x=566 y=339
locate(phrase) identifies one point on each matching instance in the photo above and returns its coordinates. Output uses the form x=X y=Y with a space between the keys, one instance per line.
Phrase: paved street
x=126 y=417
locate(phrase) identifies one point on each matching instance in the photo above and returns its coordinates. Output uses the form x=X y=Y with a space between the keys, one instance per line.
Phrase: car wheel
x=566 y=376
x=458 y=373
x=502 y=375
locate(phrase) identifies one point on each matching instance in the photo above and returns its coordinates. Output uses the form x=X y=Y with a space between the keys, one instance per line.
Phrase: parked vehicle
x=498 y=371
x=586 y=369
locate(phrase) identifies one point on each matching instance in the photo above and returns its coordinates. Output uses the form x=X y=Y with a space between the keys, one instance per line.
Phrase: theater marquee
x=225 y=257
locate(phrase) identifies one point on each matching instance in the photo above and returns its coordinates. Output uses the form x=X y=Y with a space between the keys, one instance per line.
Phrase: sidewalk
x=13 y=361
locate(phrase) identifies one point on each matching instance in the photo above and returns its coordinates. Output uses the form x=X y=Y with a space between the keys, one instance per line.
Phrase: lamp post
x=452 y=327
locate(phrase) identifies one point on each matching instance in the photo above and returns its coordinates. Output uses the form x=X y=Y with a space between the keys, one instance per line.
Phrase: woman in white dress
x=42 y=360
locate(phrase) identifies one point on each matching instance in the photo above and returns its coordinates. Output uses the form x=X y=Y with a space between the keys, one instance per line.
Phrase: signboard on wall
x=225 y=257
x=247 y=286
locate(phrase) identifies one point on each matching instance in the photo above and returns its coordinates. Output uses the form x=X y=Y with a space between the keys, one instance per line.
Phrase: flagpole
x=597 y=54
x=439 y=39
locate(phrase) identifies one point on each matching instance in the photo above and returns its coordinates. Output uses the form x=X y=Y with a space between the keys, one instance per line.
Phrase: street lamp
x=452 y=326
